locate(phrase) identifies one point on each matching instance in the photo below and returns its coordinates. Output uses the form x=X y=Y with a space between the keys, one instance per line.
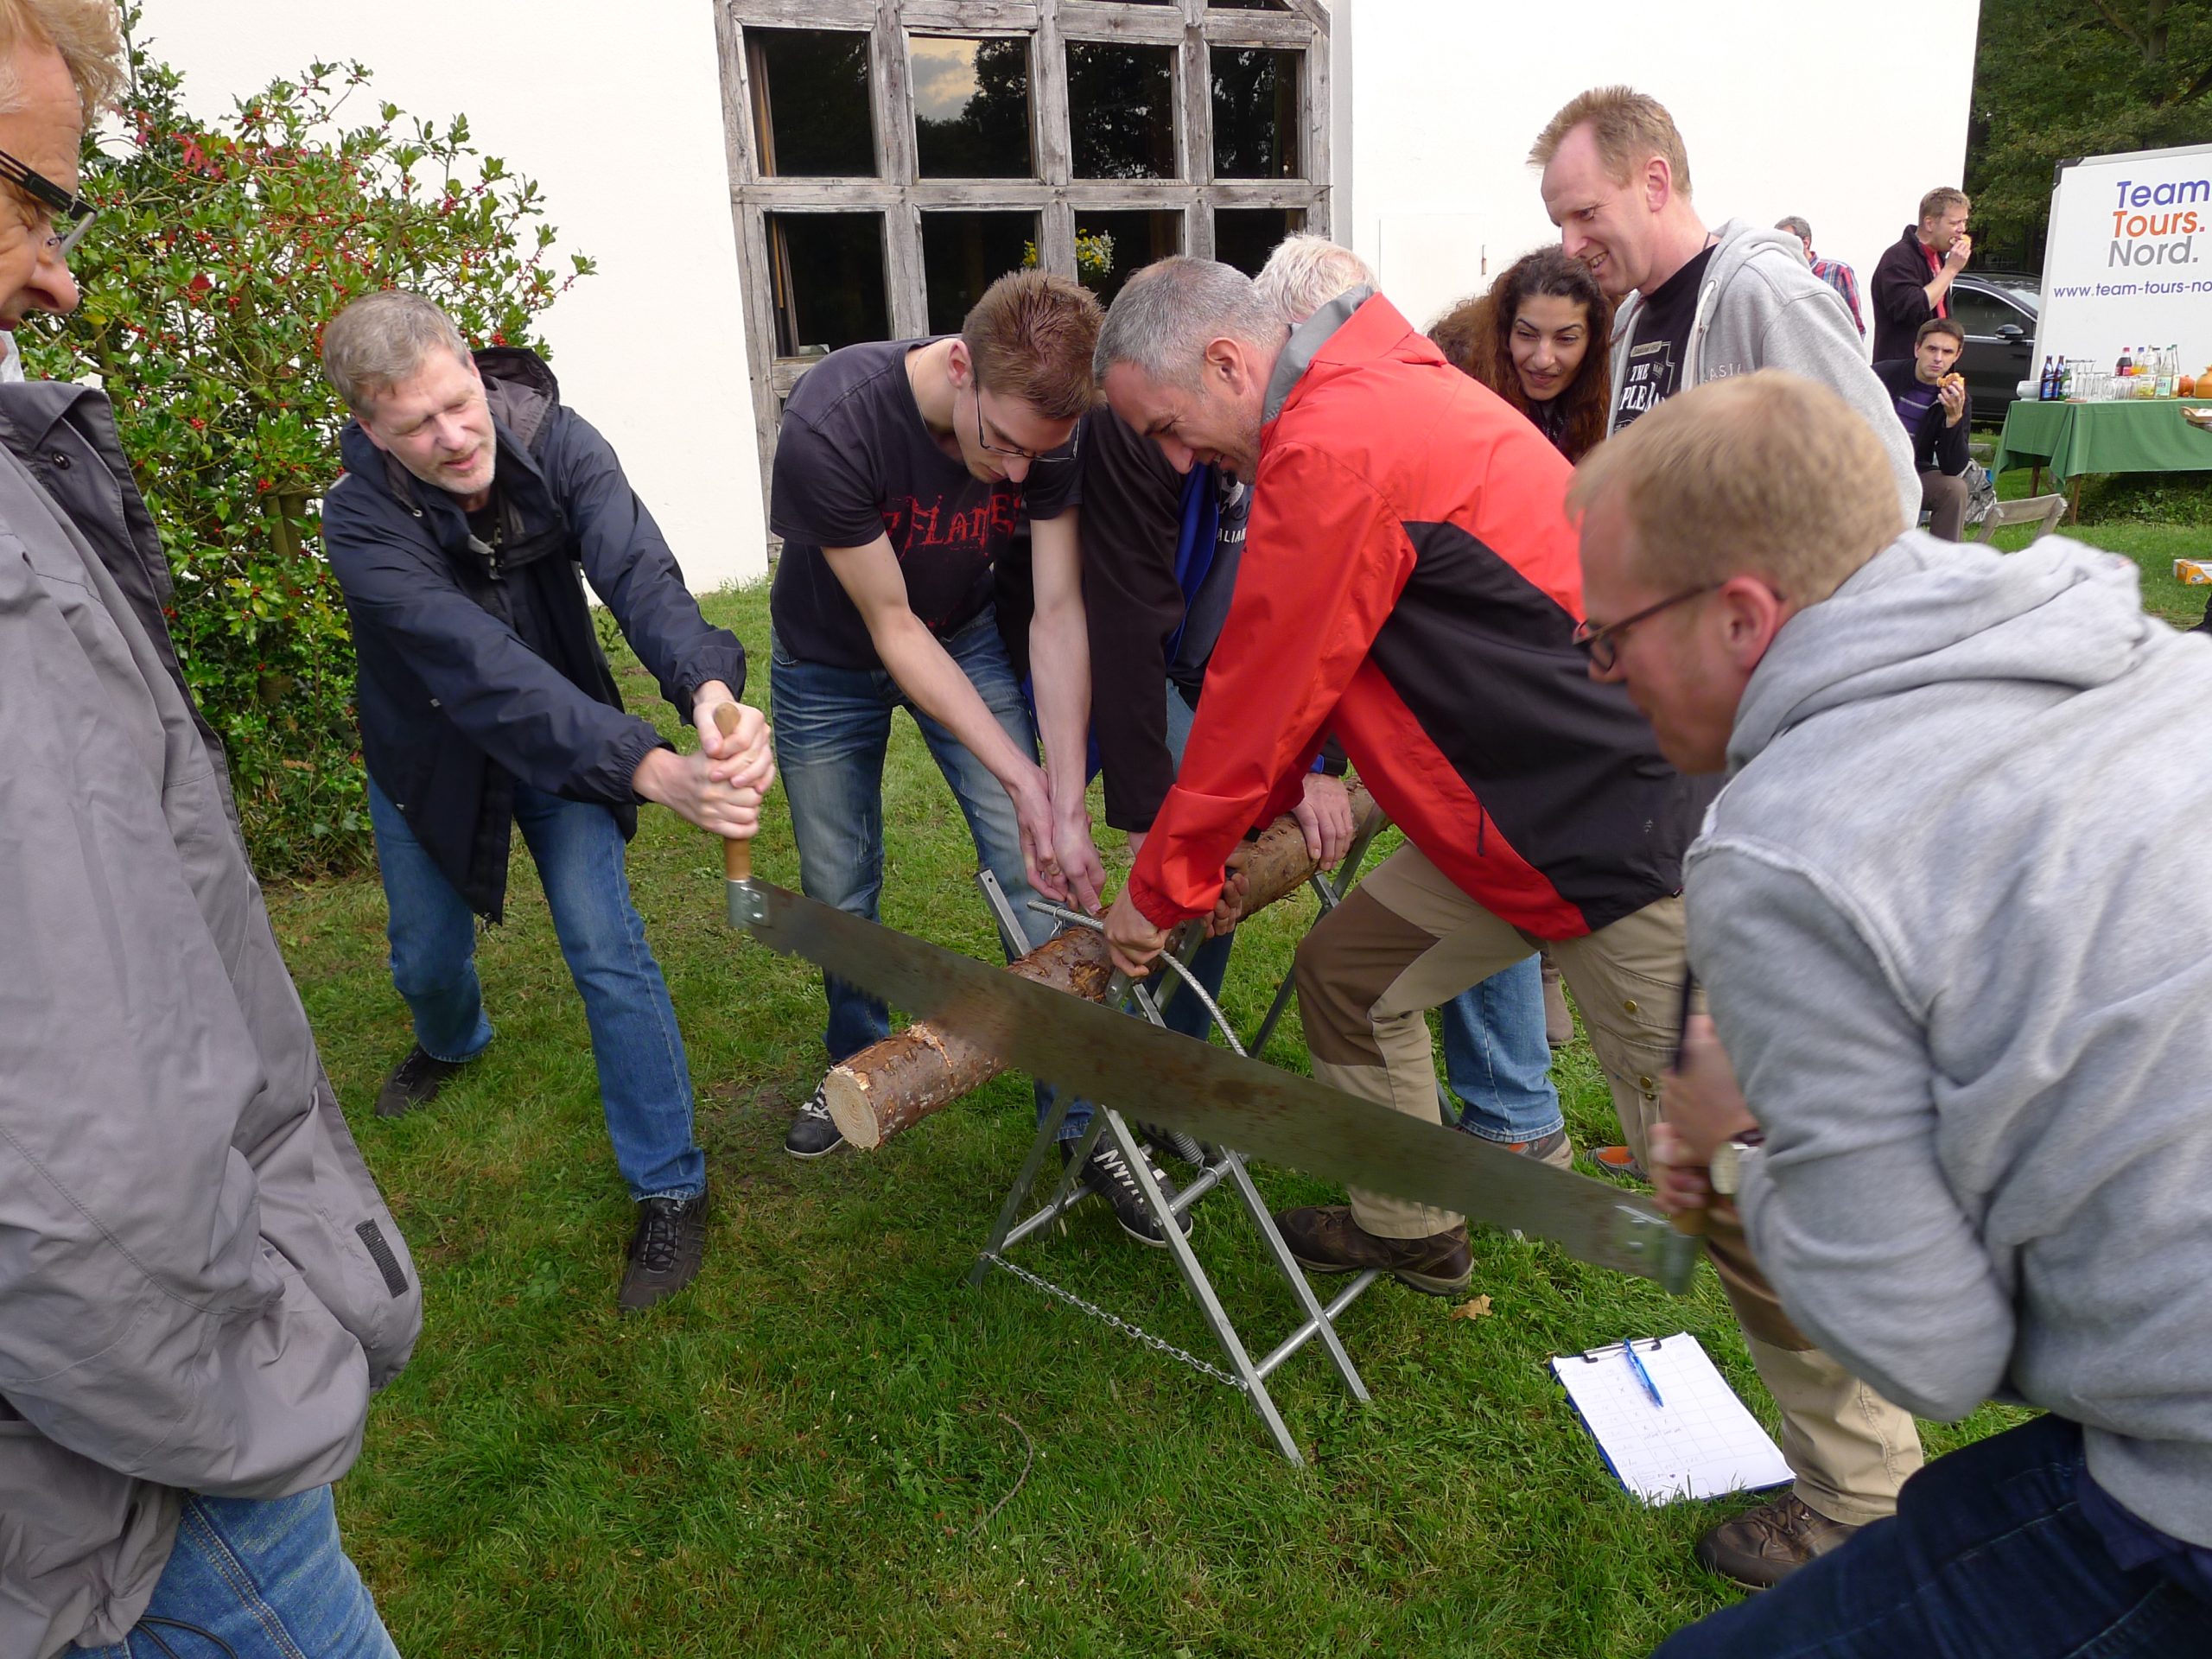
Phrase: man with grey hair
x=1407 y=583
x=472 y=501
x=200 y=1287
x=1966 y=1135
x=1837 y=275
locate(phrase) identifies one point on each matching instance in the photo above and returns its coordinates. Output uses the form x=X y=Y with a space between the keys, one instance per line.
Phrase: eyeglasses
x=1059 y=458
x=61 y=205
x=1602 y=645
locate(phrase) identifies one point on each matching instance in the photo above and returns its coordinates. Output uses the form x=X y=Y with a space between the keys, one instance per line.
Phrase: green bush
x=220 y=251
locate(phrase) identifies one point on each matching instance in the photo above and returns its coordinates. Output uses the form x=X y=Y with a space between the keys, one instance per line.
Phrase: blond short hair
x=1940 y=201
x=1630 y=128
x=88 y=34
x=1306 y=272
x=1765 y=474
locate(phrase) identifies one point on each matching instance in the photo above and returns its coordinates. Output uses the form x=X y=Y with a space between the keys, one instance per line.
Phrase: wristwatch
x=1730 y=1157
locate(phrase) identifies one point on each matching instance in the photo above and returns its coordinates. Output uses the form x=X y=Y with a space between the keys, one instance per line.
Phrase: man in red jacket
x=1409 y=582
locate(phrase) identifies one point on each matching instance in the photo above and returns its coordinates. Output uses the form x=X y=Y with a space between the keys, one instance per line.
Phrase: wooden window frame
x=900 y=195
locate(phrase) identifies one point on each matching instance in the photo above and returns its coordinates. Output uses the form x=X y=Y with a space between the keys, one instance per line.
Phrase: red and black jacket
x=1410 y=582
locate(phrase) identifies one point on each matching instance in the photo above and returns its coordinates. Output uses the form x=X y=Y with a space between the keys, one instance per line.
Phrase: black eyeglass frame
x=1602 y=645
x=1056 y=459
x=58 y=203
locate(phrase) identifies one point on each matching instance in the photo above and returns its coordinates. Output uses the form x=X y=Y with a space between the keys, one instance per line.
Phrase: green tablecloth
x=2144 y=435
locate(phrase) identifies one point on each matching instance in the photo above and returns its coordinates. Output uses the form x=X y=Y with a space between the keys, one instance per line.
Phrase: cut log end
x=846 y=1094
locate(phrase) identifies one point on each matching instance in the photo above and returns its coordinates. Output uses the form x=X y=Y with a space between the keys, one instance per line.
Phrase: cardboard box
x=2193 y=573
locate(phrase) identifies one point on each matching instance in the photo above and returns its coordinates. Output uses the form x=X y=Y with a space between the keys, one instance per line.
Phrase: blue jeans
x=1987 y=1553
x=1496 y=1059
x=262 y=1579
x=644 y=1084
x=832 y=727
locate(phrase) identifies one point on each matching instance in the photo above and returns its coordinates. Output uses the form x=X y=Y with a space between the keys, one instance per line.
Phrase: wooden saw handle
x=737 y=855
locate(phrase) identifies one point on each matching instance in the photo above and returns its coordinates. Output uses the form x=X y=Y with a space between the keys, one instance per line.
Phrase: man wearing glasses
x=903 y=470
x=200 y=1287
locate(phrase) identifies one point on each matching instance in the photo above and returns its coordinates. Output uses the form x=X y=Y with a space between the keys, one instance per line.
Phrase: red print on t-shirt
x=914 y=524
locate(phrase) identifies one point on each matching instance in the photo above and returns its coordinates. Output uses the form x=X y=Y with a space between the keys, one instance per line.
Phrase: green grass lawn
x=803 y=1453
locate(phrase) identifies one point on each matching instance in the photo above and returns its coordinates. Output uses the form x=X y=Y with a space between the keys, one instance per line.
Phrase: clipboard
x=1701 y=1442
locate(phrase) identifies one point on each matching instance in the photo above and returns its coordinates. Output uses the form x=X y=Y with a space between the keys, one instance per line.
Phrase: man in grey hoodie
x=1702 y=306
x=200 y=1287
x=1696 y=305
x=1950 y=914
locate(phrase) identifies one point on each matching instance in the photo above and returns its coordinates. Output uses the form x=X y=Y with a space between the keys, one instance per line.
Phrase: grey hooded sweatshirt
x=1761 y=307
x=1952 y=911
x=199 y=1285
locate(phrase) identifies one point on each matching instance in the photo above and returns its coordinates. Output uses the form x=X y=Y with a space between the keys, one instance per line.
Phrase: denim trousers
x=1988 y=1554
x=644 y=1083
x=257 y=1579
x=832 y=729
x=1496 y=1059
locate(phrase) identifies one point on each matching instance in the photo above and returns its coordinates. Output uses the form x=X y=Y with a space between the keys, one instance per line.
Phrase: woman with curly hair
x=1540 y=339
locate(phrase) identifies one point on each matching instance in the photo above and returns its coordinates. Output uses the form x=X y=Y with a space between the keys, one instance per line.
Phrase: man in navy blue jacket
x=472 y=508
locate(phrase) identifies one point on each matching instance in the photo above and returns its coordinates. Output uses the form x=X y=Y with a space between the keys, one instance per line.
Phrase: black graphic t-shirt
x=1657 y=364
x=854 y=462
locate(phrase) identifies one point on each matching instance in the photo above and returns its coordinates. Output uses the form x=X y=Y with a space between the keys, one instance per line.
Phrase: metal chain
x=1118 y=1323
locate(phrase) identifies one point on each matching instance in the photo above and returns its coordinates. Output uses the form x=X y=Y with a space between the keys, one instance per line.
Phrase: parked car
x=1998 y=311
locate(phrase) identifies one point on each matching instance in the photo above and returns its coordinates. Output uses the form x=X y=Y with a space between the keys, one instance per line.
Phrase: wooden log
x=890 y=1086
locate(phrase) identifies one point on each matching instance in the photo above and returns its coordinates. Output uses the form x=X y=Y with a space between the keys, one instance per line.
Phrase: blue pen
x=1643 y=1375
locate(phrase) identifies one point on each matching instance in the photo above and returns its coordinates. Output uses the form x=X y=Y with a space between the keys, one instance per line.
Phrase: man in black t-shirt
x=902 y=471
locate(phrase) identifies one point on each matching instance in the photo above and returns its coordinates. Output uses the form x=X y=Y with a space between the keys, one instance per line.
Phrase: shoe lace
x=817 y=1106
x=656 y=1250
x=417 y=1063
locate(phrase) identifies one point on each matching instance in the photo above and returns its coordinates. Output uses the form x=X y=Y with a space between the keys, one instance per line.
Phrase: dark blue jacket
x=1938 y=447
x=479 y=668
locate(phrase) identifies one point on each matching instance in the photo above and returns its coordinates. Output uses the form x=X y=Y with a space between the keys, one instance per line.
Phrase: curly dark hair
x=1476 y=336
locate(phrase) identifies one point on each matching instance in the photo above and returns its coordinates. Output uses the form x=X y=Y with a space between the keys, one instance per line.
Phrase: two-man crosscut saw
x=1168 y=1078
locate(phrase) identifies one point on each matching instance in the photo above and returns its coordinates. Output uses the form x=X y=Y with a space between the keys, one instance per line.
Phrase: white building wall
x=618 y=116
x=1844 y=118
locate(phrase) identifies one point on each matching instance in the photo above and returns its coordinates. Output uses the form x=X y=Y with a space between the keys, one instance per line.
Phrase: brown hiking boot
x=1761 y=1548
x=1326 y=1239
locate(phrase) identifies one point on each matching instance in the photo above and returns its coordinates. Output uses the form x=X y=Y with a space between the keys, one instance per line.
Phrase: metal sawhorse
x=1216 y=1166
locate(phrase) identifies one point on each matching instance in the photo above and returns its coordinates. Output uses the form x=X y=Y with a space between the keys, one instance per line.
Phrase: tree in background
x=220 y=250
x=2055 y=78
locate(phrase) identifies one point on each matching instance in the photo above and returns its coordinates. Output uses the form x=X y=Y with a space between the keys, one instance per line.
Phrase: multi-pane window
x=889 y=160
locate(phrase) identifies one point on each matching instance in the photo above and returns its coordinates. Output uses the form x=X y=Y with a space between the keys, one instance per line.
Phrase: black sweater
x=1938 y=447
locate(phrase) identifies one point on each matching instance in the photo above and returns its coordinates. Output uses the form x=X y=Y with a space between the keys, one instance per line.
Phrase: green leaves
x=221 y=249
x=2055 y=78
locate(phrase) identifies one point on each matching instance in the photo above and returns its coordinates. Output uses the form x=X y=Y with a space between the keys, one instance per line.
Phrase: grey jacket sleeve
x=1811 y=334
x=149 y=1326
x=1847 y=1209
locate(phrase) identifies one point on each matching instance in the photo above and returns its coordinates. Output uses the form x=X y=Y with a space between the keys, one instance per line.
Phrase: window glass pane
x=1122 y=110
x=810 y=103
x=1244 y=236
x=1110 y=245
x=827 y=269
x=1984 y=314
x=962 y=254
x=972 y=108
x=1256 y=112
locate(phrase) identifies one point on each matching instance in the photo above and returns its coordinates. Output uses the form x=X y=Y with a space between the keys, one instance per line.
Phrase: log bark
x=890 y=1086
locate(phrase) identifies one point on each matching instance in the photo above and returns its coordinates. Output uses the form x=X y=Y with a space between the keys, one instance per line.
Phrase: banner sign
x=2129 y=260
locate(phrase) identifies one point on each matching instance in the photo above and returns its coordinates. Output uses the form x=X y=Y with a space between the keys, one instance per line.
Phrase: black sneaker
x=664 y=1252
x=414 y=1082
x=814 y=1132
x=1109 y=1176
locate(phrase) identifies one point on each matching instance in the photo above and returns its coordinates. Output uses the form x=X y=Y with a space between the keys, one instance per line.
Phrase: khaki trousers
x=1405 y=940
